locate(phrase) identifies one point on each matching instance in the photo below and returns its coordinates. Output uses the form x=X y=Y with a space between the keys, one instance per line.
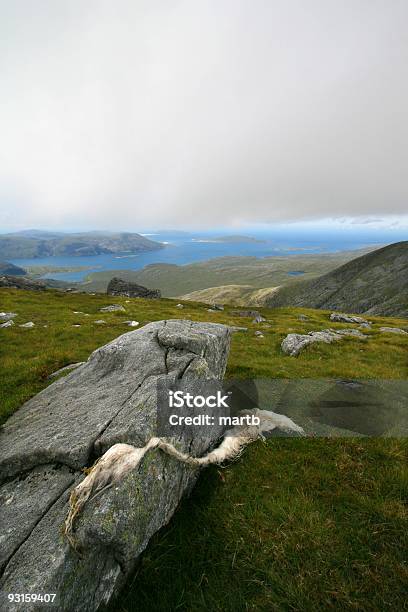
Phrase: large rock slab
x=44 y=446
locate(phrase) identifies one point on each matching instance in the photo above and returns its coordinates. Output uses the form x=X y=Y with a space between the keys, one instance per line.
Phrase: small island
x=232 y=239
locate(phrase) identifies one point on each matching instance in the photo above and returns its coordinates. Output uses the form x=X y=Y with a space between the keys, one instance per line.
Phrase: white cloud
x=136 y=114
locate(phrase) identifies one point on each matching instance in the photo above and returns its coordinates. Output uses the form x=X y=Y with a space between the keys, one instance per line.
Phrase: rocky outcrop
x=117 y=286
x=45 y=445
x=20 y=282
x=393 y=330
x=340 y=317
x=293 y=344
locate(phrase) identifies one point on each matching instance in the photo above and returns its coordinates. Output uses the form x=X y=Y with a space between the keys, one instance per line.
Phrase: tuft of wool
x=120 y=459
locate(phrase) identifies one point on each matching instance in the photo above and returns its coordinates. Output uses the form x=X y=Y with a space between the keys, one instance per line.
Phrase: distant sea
x=184 y=248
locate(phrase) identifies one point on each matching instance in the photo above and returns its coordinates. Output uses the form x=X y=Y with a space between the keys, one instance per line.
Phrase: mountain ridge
x=375 y=283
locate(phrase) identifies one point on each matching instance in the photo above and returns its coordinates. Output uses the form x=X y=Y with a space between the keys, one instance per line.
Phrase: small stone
x=132 y=323
x=7 y=323
x=179 y=306
x=6 y=316
x=27 y=325
x=259 y=319
x=76 y=325
x=100 y=322
x=303 y=317
x=218 y=307
x=259 y=334
x=112 y=308
x=235 y=328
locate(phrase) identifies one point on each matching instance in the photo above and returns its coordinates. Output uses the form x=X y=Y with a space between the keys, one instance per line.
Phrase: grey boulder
x=8 y=323
x=293 y=344
x=112 y=308
x=340 y=317
x=45 y=445
x=6 y=316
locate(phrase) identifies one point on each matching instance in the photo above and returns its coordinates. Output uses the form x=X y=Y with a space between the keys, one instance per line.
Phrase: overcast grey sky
x=132 y=114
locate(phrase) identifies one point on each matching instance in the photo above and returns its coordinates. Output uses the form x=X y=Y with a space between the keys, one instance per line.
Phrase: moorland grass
x=296 y=524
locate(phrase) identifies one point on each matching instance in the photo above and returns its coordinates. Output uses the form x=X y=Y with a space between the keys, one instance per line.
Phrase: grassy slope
x=240 y=295
x=295 y=524
x=262 y=272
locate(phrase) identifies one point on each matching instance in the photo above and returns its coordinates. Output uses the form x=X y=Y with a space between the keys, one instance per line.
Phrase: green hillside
x=295 y=524
x=259 y=272
x=375 y=283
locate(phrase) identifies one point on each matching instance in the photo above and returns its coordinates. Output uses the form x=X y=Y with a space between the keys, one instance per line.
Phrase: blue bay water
x=188 y=247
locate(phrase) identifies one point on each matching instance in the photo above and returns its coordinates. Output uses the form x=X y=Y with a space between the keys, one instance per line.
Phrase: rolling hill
x=376 y=283
x=43 y=244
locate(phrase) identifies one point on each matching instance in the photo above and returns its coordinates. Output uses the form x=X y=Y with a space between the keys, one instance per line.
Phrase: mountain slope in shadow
x=376 y=283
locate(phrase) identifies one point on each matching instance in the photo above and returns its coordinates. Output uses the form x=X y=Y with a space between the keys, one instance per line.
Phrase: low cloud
x=142 y=114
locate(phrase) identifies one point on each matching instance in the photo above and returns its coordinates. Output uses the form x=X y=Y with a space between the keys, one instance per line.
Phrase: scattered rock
x=218 y=307
x=365 y=325
x=235 y=328
x=259 y=319
x=117 y=286
x=293 y=344
x=6 y=316
x=113 y=308
x=303 y=317
x=110 y=398
x=100 y=322
x=259 y=334
x=7 y=323
x=211 y=310
x=76 y=325
x=340 y=317
x=28 y=325
x=67 y=368
x=180 y=306
x=132 y=323
x=393 y=330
